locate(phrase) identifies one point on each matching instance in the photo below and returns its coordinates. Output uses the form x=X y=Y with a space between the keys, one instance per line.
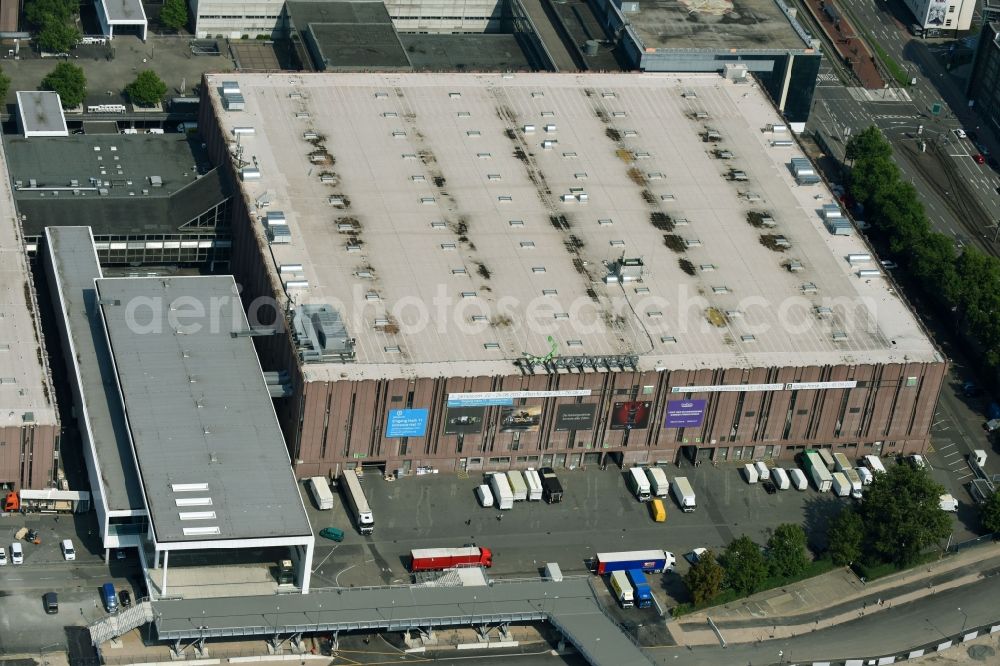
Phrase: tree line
x=966 y=282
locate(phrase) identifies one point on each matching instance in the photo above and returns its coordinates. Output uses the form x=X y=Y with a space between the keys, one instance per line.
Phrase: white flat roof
x=26 y=395
x=469 y=236
x=41 y=113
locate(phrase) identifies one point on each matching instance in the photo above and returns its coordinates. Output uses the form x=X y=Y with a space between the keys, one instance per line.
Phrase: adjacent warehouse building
x=29 y=421
x=183 y=449
x=492 y=271
x=984 y=82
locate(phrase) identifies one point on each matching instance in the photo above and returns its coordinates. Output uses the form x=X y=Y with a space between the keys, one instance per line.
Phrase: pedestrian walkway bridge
x=570 y=605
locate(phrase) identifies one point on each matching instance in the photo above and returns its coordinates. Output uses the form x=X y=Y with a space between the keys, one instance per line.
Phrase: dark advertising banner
x=520 y=419
x=631 y=415
x=464 y=420
x=575 y=417
x=685 y=413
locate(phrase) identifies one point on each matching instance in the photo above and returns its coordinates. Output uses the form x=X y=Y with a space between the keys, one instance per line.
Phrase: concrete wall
x=235 y=19
x=984 y=83
x=28 y=456
x=445 y=15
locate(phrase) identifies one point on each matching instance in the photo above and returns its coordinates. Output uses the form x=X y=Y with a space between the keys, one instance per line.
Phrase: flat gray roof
x=465 y=53
x=41 y=112
x=113 y=175
x=124 y=11
x=75 y=267
x=453 y=241
x=26 y=393
x=713 y=24
x=201 y=421
x=569 y=604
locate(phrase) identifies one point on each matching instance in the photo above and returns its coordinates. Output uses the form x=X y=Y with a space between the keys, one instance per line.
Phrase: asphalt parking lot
x=25 y=628
x=598 y=515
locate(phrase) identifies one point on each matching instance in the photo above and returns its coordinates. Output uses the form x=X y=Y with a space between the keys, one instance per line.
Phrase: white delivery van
x=798 y=478
x=762 y=470
x=67 y=550
x=865 y=475
x=16 y=553
x=750 y=473
x=484 y=496
x=780 y=479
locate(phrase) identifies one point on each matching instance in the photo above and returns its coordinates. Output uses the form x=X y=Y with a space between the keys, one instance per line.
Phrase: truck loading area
x=569 y=605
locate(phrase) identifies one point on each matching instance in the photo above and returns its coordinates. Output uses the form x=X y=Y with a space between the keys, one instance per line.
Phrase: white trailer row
x=505 y=488
x=827 y=470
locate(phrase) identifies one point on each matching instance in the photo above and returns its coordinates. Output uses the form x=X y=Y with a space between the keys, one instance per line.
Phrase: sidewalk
x=805 y=606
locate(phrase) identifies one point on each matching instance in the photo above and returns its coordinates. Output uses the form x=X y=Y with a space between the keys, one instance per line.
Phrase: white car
x=889 y=265
x=3 y=557
x=918 y=461
x=67 y=550
x=960 y=133
x=16 y=554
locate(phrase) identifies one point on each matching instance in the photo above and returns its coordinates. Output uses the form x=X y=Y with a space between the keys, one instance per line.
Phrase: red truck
x=435 y=559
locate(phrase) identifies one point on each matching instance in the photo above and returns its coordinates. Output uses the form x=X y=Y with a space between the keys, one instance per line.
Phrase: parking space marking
x=949 y=455
x=964 y=476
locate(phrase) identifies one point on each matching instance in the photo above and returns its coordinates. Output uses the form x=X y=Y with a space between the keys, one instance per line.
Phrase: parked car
x=3 y=557
x=67 y=550
x=769 y=487
x=960 y=133
x=125 y=599
x=50 y=601
x=16 y=553
x=971 y=390
x=889 y=265
x=979 y=158
x=917 y=461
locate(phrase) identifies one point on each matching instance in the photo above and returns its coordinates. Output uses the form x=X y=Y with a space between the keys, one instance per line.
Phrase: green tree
x=786 y=551
x=990 y=513
x=67 y=80
x=4 y=86
x=39 y=13
x=174 y=14
x=846 y=537
x=745 y=566
x=902 y=514
x=868 y=143
x=704 y=578
x=57 y=37
x=871 y=176
x=147 y=89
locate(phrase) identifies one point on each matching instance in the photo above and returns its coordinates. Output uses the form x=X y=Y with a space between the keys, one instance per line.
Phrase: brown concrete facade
x=332 y=425
x=28 y=456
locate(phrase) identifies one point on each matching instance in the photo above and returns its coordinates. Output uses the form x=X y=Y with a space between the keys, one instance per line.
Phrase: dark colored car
x=769 y=487
x=124 y=599
x=50 y=601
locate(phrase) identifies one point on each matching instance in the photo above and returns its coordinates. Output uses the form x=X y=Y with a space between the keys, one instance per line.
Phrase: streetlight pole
x=965 y=620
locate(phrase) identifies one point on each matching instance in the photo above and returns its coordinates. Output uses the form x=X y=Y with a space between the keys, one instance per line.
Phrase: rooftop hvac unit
x=840 y=226
x=274 y=217
x=782 y=143
x=296 y=284
x=249 y=173
x=528 y=129
x=831 y=211
x=858 y=258
x=290 y=268
x=279 y=235
x=869 y=273
x=230 y=88
x=156 y=181
x=320 y=334
x=246 y=131
x=234 y=102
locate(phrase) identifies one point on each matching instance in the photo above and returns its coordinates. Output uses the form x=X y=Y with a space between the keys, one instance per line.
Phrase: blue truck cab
x=109 y=597
x=643 y=594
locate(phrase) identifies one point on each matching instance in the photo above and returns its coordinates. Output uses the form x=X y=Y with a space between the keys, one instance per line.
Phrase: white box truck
x=780 y=479
x=683 y=493
x=658 y=483
x=484 y=496
x=762 y=470
x=750 y=473
x=874 y=464
x=827 y=459
x=622 y=589
x=841 y=463
x=517 y=485
x=817 y=470
x=798 y=478
x=502 y=495
x=949 y=503
x=865 y=474
x=534 y=485
x=322 y=495
x=638 y=483
x=841 y=486
x=855 y=480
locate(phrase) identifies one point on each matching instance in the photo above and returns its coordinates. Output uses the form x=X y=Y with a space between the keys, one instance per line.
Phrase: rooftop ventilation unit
x=249 y=173
x=320 y=335
x=234 y=102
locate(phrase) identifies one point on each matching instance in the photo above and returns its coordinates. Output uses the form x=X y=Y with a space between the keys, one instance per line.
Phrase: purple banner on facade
x=685 y=413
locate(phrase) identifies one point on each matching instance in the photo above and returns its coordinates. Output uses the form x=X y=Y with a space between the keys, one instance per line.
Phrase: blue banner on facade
x=406 y=423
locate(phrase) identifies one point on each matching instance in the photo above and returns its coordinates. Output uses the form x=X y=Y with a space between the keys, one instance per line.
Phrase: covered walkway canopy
x=119 y=13
x=570 y=605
